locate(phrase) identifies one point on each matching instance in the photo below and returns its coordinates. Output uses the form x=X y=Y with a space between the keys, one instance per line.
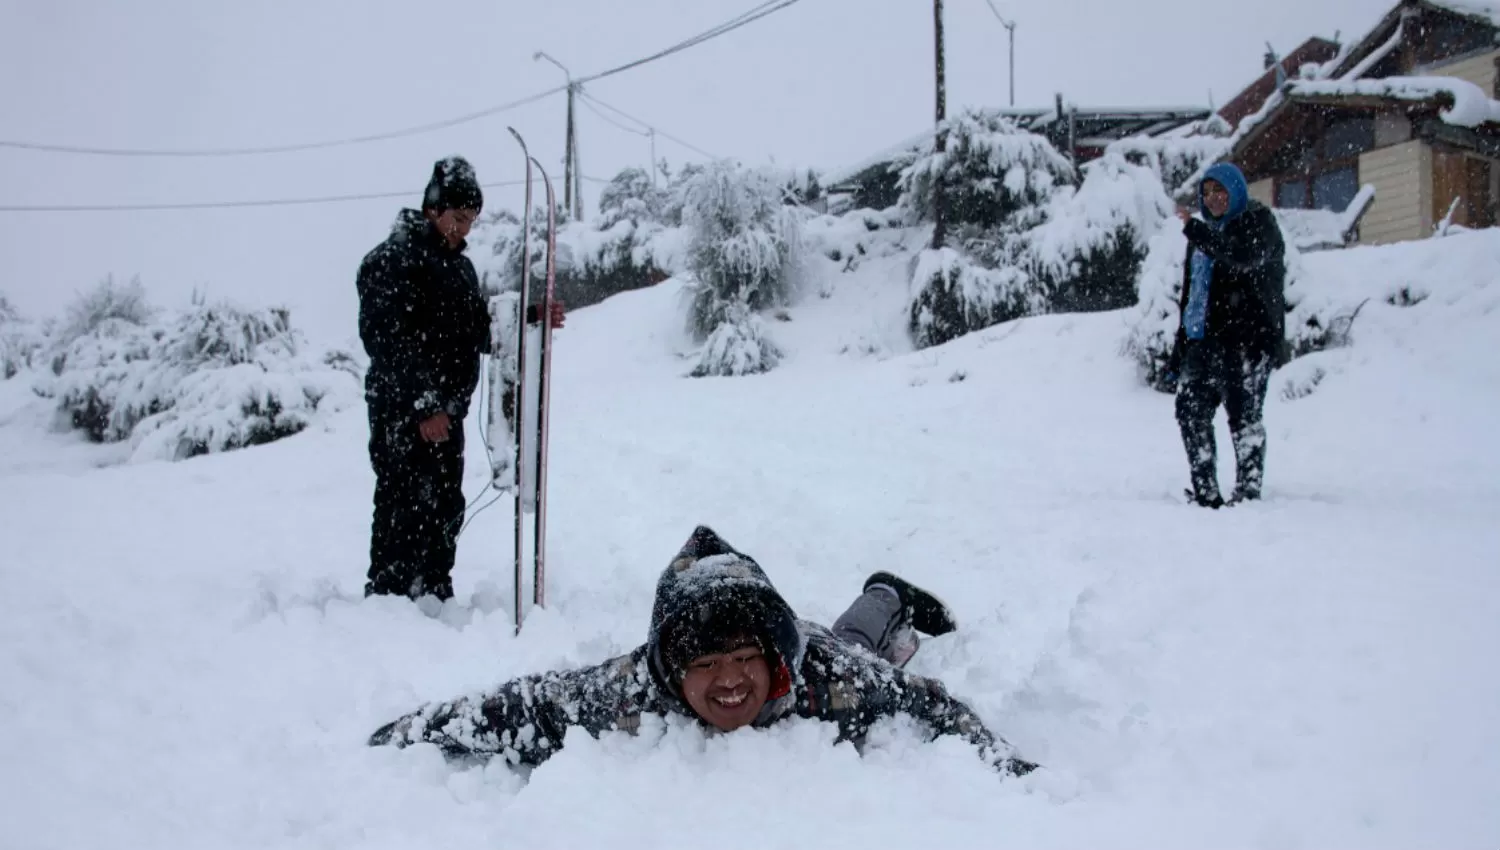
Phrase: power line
x=608 y=120
x=659 y=131
x=735 y=23
x=306 y=146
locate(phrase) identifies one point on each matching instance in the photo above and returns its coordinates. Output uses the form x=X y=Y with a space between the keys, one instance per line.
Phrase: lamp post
x=1011 y=26
x=572 y=180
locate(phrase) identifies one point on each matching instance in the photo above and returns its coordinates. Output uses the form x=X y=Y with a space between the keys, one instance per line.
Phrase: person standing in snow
x=424 y=324
x=1232 y=331
x=725 y=649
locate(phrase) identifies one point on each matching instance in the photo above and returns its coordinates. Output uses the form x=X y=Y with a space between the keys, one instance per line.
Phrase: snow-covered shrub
x=1087 y=254
x=738 y=346
x=954 y=295
x=20 y=340
x=210 y=378
x=743 y=253
x=990 y=170
x=613 y=252
x=107 y=301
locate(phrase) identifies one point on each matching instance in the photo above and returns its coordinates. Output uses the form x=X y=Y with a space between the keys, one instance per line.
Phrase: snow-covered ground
x=188 y=662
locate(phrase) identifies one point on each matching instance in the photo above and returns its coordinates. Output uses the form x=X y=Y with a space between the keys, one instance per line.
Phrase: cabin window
x=1324 y=175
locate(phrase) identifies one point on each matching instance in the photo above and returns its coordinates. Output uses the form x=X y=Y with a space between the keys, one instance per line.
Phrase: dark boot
x=1245 y=403
x=926 y=613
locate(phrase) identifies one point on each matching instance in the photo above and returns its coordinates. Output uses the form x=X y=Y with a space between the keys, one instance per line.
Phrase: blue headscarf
x=1195 y=319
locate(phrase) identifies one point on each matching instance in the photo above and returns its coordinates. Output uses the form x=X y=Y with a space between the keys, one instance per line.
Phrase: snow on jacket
x=815 y=675
x=423 y=322
x=1246 y=258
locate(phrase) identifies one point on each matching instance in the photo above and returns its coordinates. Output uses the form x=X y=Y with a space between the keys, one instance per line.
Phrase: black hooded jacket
x=1246 y=310
x=423 y=322
x=816 y=675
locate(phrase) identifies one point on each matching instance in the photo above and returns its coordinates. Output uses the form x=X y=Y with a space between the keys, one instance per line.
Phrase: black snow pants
x=419 y=508
x=1215 y=374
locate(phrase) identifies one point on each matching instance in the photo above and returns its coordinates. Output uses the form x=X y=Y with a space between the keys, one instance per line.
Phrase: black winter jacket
x=423 y=322
x=1246 y=299
x=525 y=719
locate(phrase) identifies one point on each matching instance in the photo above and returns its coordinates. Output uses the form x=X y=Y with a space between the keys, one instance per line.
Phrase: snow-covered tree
x=631 y=195
x=991 y=171
x=743 y=251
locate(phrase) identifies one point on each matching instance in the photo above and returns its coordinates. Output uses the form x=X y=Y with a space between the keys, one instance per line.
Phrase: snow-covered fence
x=210 y=378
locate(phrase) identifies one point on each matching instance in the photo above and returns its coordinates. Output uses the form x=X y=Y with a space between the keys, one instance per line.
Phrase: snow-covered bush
x=1087 y=253
x=991 y=170
x=738 y=346
x=211 y=378
x=615 y=251
x=743 y=254
x=954 y=295
x=20 y=340
x=107 y=301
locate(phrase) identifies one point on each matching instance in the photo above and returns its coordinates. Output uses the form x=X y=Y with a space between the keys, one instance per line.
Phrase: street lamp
x=1011 y=26
x=572 y=179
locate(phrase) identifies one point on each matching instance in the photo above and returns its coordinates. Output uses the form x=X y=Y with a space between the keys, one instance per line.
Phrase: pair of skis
x=531 y=390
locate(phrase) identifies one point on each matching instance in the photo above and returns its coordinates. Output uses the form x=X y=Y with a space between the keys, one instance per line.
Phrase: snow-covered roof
x=1471 y=106
x=1486 y=9
x=915 y=144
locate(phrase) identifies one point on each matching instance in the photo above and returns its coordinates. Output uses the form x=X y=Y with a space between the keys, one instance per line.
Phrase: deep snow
x=188 y=662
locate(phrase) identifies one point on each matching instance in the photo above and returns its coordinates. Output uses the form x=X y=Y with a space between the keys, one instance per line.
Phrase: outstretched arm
x=929 y=701
x=526 y=719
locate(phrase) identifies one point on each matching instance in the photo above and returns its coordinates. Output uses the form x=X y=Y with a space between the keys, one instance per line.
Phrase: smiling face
x=728 y=689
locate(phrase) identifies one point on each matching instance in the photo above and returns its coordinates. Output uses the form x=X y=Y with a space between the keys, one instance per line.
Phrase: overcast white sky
x=819 y=84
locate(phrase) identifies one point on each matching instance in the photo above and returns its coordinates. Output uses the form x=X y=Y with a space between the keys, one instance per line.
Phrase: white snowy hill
x=188 y=662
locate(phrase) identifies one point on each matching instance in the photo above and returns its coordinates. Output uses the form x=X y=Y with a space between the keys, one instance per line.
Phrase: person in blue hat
x=1232 y=331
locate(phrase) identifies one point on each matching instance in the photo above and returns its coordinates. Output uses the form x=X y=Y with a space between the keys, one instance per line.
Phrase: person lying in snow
x=726 y=649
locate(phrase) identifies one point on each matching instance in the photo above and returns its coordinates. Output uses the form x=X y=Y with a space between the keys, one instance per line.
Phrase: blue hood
x=1230 y=177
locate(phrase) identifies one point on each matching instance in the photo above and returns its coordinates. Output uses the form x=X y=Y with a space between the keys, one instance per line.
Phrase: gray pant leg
x=870 y=621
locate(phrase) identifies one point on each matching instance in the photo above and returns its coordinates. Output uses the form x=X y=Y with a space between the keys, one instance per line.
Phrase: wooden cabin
x=1411 y=110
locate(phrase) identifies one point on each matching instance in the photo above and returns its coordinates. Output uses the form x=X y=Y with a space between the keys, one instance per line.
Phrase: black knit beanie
x=453 y=186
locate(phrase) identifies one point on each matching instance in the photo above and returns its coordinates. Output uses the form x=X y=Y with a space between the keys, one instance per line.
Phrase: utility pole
x=652 y=133
x=1011 y=26
x=939 y=228
x=572 y=180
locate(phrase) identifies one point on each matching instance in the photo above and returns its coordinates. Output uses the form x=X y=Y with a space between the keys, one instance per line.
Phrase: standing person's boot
x=1199 y=392
x=1250 y=461
x=1245 y=403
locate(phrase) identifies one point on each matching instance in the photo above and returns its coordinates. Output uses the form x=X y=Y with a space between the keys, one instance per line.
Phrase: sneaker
x=926 y=613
